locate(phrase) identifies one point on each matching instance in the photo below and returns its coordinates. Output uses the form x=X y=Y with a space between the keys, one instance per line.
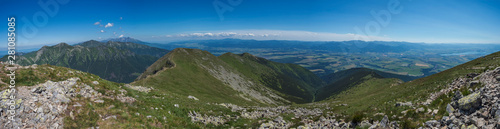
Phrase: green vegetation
x=323 y=58
x=355 y=95
x=112 y=61
x=188 y=72
x=188 y=78
x=380 y=95
x=289 y=79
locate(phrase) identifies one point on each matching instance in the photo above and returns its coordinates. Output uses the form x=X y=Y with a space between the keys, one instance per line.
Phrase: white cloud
x=120 y=36
x=97 y=23
x=109 y=25
x=121 y=18
x=102 y=31
x=272 y=35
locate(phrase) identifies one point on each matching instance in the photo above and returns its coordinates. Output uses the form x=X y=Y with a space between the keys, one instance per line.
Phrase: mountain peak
x=61 y=44
x=124 y=39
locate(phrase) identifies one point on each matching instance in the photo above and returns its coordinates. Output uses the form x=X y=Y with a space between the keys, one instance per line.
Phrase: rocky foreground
x=44 y=105
x=479 y=109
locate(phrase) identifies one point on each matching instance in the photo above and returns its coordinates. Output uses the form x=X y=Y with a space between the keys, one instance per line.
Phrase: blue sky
x=430 y=21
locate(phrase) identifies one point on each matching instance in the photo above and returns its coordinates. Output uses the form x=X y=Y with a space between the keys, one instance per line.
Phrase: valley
x=323 y=58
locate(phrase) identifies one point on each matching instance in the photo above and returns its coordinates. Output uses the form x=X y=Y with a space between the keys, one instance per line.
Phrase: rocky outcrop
x=139 y=88
x=215 y=120
x=470 y=102
x=43 y=105
x=480 y=109
x=272 y=118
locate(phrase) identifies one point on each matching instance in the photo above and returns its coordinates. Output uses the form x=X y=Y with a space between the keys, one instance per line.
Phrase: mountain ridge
x=231 y=72
x=115 y=61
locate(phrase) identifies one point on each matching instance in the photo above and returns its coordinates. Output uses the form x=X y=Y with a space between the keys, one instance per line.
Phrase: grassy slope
x=331 y=78
x=188 y=78
x=145 y=105
x=184 y=75
x=108 y=62
x=380 y=95
x=296 y=82
x=344 y=83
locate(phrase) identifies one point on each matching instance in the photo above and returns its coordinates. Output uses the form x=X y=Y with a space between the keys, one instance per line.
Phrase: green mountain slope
x=342 y=83
x=380 y=95
x=331 y=78
x=159 y=98
x=136 y=48
x=241 y=79
x=289 y=79
x=114 y=61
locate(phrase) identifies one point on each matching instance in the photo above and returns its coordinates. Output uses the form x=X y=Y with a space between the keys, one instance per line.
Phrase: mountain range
x=115 y=61
x=193 y=88
x=238 y=78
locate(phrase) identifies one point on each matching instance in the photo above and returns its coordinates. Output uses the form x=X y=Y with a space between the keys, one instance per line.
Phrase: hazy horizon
x=166 y=21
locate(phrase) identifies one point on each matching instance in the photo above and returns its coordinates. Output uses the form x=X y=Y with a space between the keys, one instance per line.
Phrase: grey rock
x=473 y=83
x=431 y=123
x=384 y=122
x=470 y=102
x=450 y=109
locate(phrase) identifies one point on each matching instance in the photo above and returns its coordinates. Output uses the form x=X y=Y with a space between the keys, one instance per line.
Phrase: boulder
x=449 y=109
x=365 y=123
x=497 y=114
x=458 y=95
x=473 y=83
x=470 y=102
x=431 y=123
x=471 y=127
x=192 y=97
x=384 y=122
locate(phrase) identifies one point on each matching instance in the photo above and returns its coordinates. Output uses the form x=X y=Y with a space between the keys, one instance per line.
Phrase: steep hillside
x=346 y=82
x=50 y=96
x=345 y=79
x=289 y=79
x=119 y=62
x=191 y=88
x=201 y=74
x=427 y=94
x=331 y=78
x=136 y=48
x=242 y=77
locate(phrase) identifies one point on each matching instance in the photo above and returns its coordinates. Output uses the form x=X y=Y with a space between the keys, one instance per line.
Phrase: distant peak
x=247 y=54
x=123 y=39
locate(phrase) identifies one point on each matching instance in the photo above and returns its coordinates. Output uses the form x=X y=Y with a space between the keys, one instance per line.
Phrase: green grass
x=187 y=78
x=157 y=103
x=172 y=86
x=289 y=79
